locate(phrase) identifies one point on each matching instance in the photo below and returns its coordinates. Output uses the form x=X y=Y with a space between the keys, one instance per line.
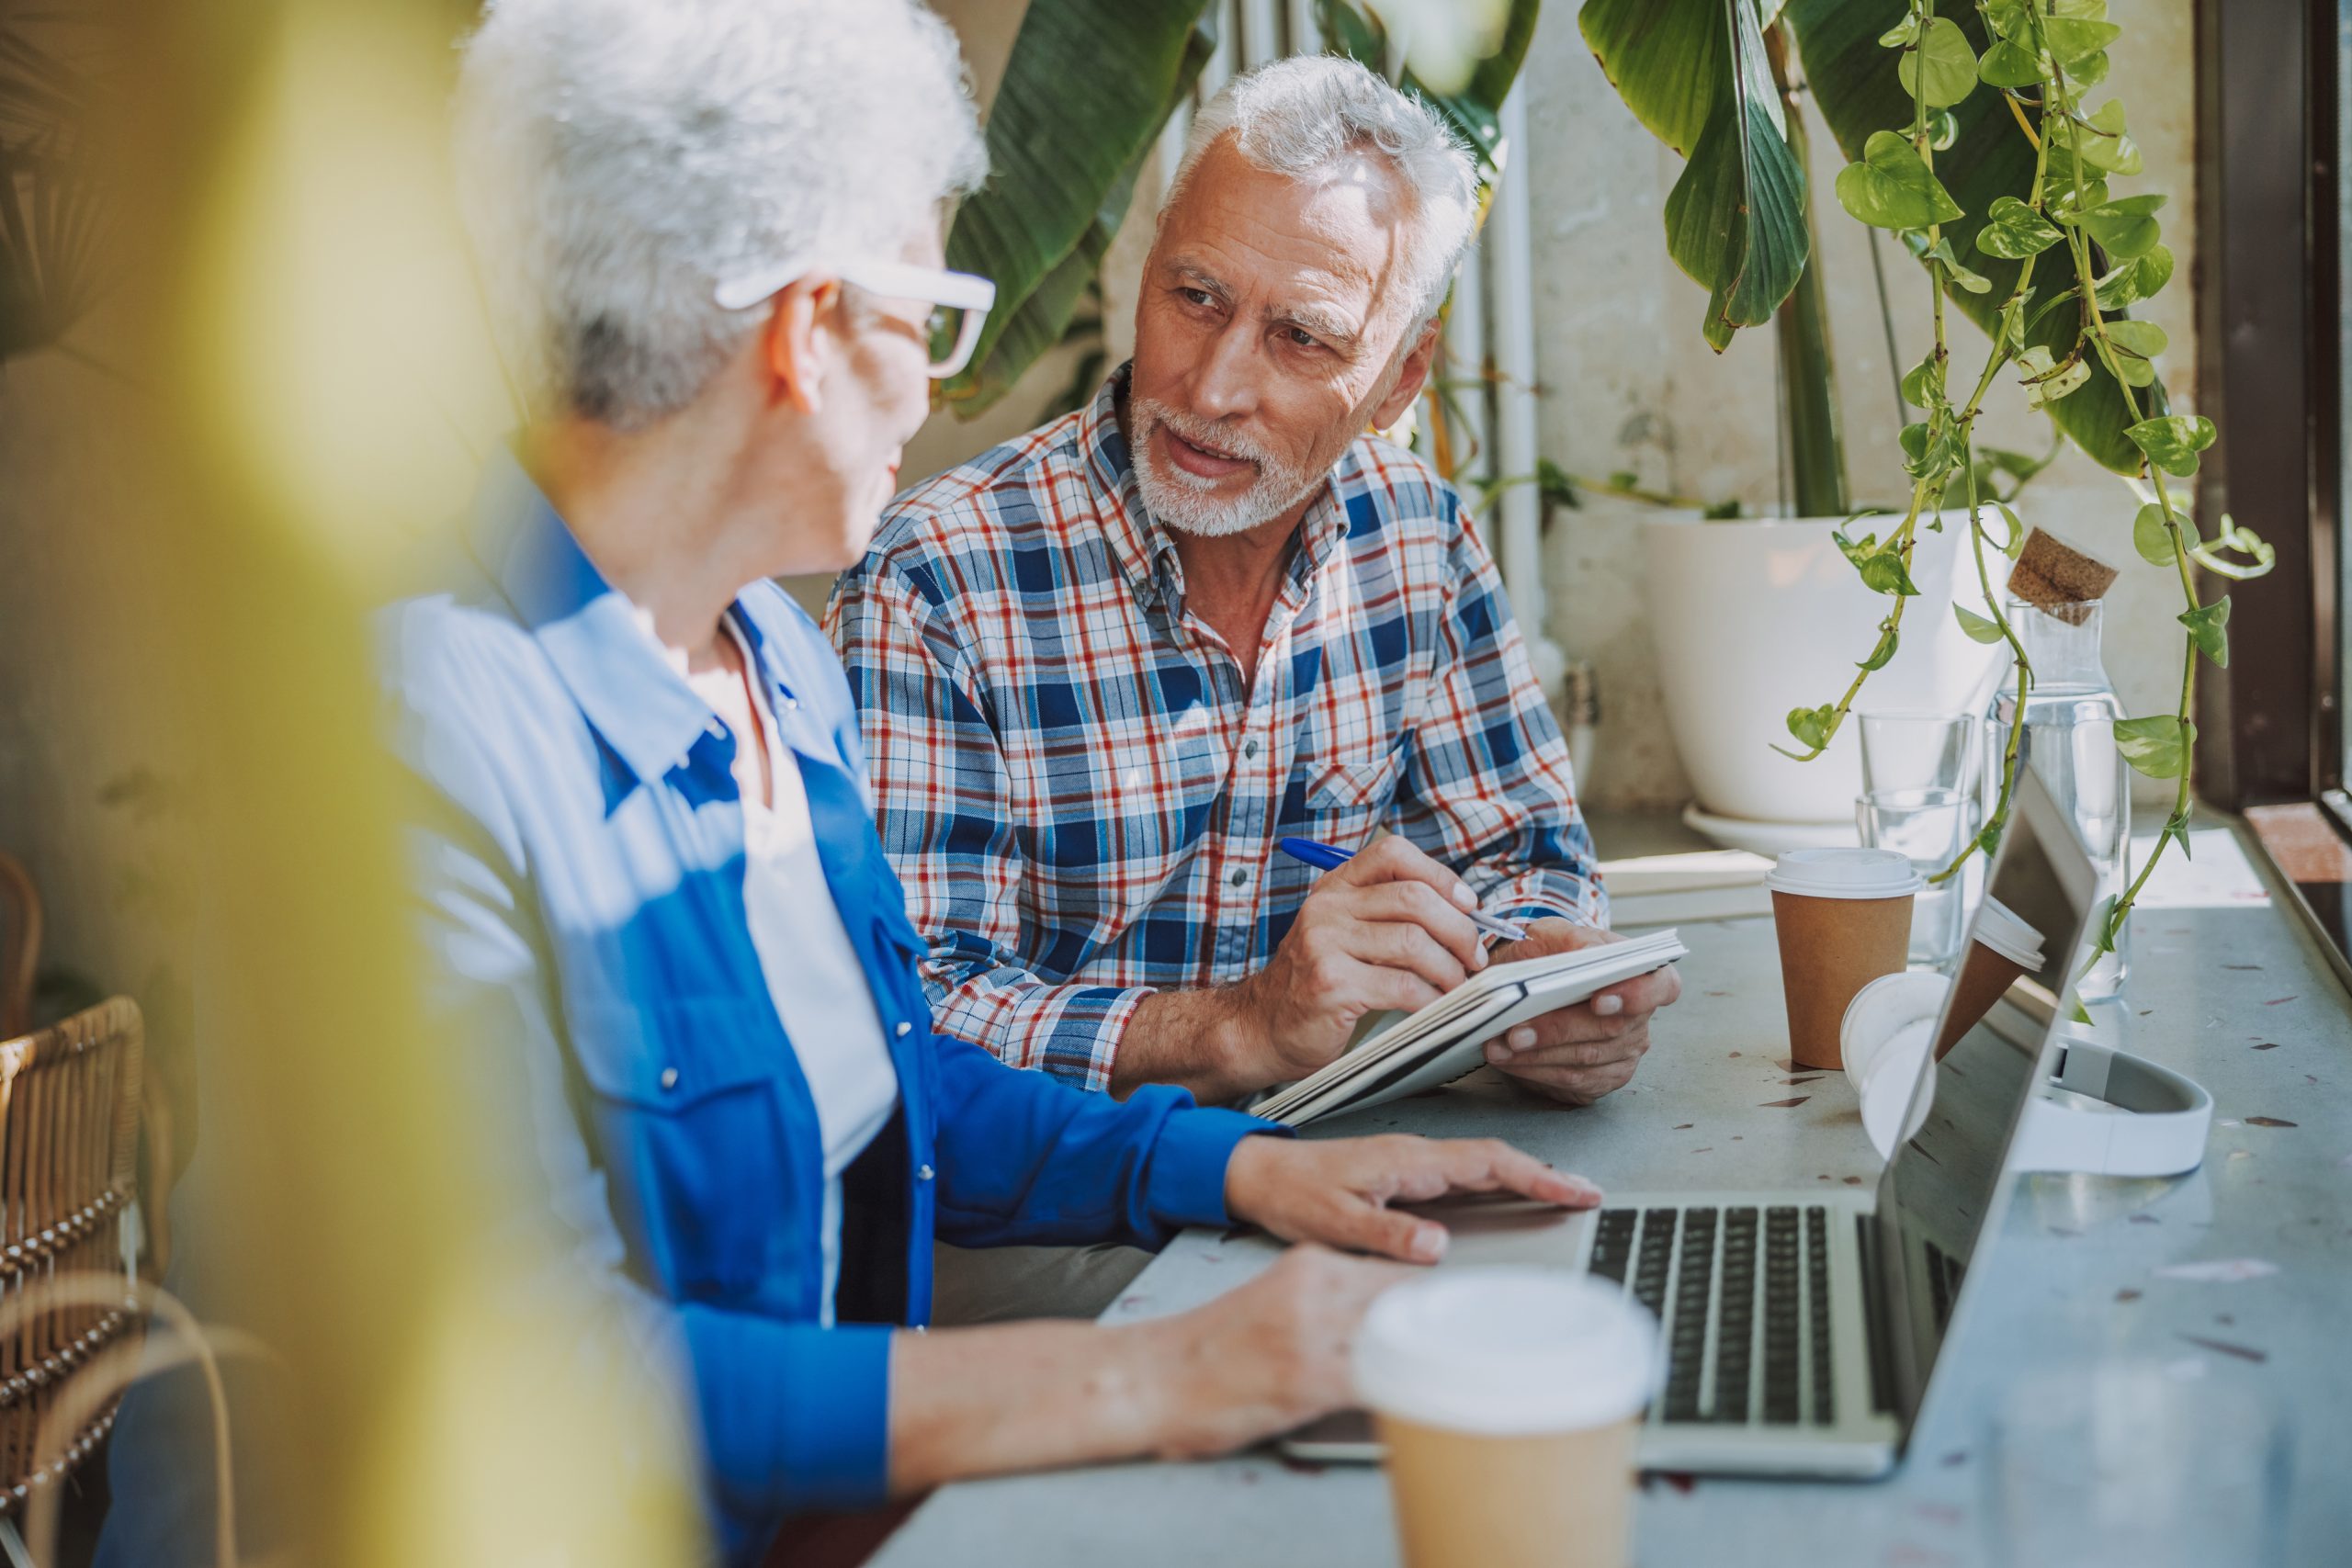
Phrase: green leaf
x=1087 y=86
x=2010 y=19
x=2016 y=532
x=1734 y=222
x=2137 y=280
x=1941 y=70
x=1976 y=626
x=2013 y=232
x=2070 y=39
x=1475 y=109
x=1670 y=61
x=1880 y=567
x=1903 y=33
x=2260 y=555
x=1883 y=651
x=2089 y=70
x=1943 y=128
x=1922 y=385
x=1975 y=283
x=1696 y=74
x=2151 y=537
x=2007 y=65
x=1811 y=726
x=2124 y=228
x=2104 y=144
x=2158 y=747
x=2173 y=441
x=1890 y=187
x=2208 y=626
x=2044 y=382
x=2136 y=343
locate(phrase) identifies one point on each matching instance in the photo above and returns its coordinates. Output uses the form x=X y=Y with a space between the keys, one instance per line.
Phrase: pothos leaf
x=2151 y=538
x=1891 y=188
x=1940 y=69
x=2016 y=532
x=2007 y=64
x=2044 y=381
x=1923 y=383
x=1976 y=626
x=2260 y=555
x=2013 y=231
x=2173 y=441
x=2158 y=747
x=1811 y=726
x=2208 y=626
x=2125 y=226
x=2140 y=279
x=1975 y=283
x=1883 y=651
x=2136 y=343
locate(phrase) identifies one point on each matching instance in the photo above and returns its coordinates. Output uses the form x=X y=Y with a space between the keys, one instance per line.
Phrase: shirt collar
x=643 y=709
x=1141 y=546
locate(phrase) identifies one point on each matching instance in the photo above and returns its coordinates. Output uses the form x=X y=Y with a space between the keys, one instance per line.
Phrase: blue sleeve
x=1025 y=1159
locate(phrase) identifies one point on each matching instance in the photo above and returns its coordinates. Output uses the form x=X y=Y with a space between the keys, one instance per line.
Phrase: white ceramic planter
x=1751 y=619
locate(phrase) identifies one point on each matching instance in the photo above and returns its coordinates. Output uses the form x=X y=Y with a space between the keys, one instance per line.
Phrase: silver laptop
x=1803 y=1327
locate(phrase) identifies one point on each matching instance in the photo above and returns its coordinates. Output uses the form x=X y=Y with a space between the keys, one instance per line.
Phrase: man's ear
x=788 y=342
x=1413 y=375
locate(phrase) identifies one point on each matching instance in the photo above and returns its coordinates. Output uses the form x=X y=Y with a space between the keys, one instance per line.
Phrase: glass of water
x=1920 y=750
x=1930 y=825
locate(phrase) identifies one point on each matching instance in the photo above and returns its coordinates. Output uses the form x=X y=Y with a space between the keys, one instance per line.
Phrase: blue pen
x=1325 y=858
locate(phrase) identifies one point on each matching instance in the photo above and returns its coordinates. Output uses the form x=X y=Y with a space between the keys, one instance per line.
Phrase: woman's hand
x=1260 y=1360
x=1338 y=1191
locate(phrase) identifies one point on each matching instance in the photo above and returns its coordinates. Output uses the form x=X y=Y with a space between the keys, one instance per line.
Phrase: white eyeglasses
x=959 y=301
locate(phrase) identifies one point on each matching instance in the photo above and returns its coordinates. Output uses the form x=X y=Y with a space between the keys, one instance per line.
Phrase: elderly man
x=1105 y=668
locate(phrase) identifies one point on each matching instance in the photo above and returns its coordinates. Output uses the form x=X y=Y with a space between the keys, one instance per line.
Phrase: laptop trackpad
x=1490 y=1229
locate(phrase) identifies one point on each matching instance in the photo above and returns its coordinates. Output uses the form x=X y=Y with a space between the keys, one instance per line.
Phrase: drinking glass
x=1919 y=750
x=1930 y=825
x=2139 y=1464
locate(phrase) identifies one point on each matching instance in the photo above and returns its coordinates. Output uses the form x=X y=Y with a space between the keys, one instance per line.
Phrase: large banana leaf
x=1853 y=80
x=1696 y=73
x=1088 y=88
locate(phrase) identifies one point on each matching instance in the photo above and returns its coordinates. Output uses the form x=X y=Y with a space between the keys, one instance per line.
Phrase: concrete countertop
x=2225 y=985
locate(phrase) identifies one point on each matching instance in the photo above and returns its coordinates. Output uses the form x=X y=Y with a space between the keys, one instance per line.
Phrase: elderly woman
x=714 y=227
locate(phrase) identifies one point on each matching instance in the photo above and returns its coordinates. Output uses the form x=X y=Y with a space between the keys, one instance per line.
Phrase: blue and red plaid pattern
x=1082 y=798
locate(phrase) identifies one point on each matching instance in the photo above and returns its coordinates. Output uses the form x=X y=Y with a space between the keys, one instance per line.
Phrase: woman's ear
x=790 y=341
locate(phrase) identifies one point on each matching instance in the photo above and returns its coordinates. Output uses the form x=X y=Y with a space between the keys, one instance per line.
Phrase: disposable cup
x=1508 y=1401
x=1844 y=918
x=2002 y=948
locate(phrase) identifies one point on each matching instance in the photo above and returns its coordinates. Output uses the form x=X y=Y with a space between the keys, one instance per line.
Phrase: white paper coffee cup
x=1508 y=1400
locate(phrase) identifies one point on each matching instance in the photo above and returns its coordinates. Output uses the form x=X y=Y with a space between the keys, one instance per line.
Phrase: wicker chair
x=69 y=1133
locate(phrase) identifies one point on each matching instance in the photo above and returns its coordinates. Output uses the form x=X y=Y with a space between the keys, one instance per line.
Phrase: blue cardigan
x=579 y=844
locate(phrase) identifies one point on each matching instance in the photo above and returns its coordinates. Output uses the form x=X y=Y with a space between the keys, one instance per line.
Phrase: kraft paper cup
x=1844 y=918
x=1508 y=1400
x=2002 y=948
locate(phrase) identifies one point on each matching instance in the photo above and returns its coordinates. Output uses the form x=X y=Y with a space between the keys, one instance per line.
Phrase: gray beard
x=1175 y=500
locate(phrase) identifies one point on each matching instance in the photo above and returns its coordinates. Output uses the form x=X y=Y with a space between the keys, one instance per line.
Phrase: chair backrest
x=69 y=1139
x=19 y=946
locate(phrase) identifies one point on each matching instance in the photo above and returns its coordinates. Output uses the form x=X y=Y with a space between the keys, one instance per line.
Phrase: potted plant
x=1974 y=137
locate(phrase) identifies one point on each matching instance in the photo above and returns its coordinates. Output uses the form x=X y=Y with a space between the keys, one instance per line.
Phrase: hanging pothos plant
x=2052 y=263
x=1975 y=139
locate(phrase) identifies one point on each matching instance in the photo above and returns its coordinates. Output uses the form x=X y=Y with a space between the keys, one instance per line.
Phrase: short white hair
x=1299 y=116
x=617 y=158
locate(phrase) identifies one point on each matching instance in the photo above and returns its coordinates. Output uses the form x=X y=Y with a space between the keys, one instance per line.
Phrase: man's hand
x=1576 y=1055
x=1338 y=1191
x=1387 y=929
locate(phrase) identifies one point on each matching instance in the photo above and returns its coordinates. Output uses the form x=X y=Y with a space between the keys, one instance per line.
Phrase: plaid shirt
x=1081 y=794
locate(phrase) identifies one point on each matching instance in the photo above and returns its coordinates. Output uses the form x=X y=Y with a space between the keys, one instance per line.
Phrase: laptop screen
x=2011 y=984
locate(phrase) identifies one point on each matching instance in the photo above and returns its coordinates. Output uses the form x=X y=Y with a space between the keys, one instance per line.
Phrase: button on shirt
x=1081 y=796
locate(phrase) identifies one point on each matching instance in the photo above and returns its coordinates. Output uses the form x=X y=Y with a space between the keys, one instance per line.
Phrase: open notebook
x=1442 y=1041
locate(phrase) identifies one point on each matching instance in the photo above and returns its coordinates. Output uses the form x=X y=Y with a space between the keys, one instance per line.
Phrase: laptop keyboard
x=1743 y=1295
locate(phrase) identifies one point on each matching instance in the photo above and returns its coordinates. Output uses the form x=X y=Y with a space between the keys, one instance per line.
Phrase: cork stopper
x=2058 y=578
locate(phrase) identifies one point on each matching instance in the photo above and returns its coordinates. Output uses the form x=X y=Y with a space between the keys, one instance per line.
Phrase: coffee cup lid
x=1999 y=928
x=1845 y=873
x=1507 y=1352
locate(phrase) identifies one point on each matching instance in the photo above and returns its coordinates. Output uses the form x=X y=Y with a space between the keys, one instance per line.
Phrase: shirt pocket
x=1346 y=800
x=684 y=1100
